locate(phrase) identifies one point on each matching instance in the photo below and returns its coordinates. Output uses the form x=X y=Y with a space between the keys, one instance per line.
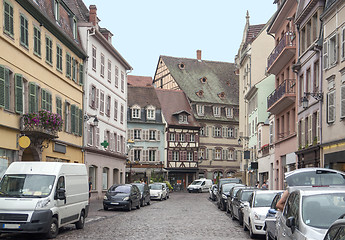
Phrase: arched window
x=105 y=177
x=93 y=176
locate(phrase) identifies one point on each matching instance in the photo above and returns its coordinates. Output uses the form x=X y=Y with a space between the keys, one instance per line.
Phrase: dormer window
x=136 y=112
x=181 y=66
x=200 y=110
x=203 y=79
x=216 y=111
x=56 y=10
x=75 y=28
x=182 y=118
x=200 y=93
x=151 y=113
x=221 y=95
x=229 y=112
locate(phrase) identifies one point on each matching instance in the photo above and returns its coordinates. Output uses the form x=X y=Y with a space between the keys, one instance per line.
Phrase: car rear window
x=316 y=178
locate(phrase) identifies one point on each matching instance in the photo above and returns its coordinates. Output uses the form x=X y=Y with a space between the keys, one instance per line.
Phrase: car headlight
x=224 y=196
x=42 y=203
x=105 y=197
x=258 y=216
x=125 y=198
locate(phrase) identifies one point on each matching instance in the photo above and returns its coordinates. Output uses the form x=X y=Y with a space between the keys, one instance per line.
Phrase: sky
x=145 y=29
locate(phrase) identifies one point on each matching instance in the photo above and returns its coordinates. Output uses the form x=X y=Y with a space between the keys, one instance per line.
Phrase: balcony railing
x=286 y=87
x=286 y=41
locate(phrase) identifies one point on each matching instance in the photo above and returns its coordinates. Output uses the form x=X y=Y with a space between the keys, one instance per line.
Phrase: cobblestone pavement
x=183 y=216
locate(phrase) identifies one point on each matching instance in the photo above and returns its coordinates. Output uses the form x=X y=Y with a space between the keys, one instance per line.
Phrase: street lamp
x=316 y=95
x=95 y=120
x=240 y=139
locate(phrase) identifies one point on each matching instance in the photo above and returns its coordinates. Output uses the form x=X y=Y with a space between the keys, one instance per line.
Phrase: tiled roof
x=220 y=77
x=253 y=31
x=172 y=102
x=79 y=9
x=140 y=81
x=143 y=96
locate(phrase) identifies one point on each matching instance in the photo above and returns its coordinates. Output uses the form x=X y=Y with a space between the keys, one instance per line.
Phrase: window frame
x=37 y=48
x=49 y=50
x=24 y=31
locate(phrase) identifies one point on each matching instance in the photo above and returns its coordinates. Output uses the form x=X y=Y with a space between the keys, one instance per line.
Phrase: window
x=24 y=31
x=67 y=117
x=37 y=41
x=202 y=153
x=192 y=138
x=93 y=92
x=152 y=155
x=81 y=74
x=218 y=154
x=217 y=132
x=102 y=65
x=200 y=110
x=115 y=110
x=92 y=176
x=94 y=60
x=101 y=102
x=8 y=18
x=137 y=153
x=229 y=112
x=230 y=132
x=181 y=137
x=46 y=100
x=59 y=106
x=342 y=101
x=331 y=107
x=109 y=71
x=33 y=97
x=308 y=81
x=189 y=156
x=18 y=91
x=271 y=132
x=74 y=69
x=122 y=81
x=316 y=77
x=202 y=131
x=137 y=134
x=68 y=65
x=325 y=55
x=175 y=155
x=216 y=111
x=108 y=103
x=121 y=114
x=74 y=28
x=90 y=138
x=301 y=88
x=49 y=50
x=105 y=178
x=152 y=134
x=58 y=58
x=116 y=76
x=183 y=118
x=231 y=155
x=136 y=112
x=151 y=113
x=172 y=137
x=56 y=10
x=333 y=50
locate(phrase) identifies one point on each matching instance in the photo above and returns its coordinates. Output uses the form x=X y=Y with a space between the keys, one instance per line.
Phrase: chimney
x=93 y=14
x=198 y=55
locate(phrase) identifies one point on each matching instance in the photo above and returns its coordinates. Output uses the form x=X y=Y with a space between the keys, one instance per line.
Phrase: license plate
x=115 y=203
x=11 y=226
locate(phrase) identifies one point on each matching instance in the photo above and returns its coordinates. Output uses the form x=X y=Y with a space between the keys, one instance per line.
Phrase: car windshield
x=264 y=200
x=315 y=178
x=120 y=189
x=245 y=195
x=140 y=186
x=227 y=187
x=26 y=185
x=322 y=210
x=156 y=186
x=196 y=183
x=234 y=191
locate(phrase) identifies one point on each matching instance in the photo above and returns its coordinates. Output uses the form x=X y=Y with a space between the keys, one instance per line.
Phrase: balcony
x=282 y=97
x=282 y=53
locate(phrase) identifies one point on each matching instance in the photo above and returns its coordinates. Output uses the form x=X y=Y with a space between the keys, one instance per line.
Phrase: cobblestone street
x=183 y=216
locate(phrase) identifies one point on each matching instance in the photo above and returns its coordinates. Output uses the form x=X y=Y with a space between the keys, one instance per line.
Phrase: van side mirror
x=272 y=211
x=291 y=223
x=61 y=194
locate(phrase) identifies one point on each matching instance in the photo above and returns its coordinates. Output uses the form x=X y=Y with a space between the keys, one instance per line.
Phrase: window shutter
x=128 y=134
x=343 y=43
x=336 y=50
x=177 y=139
x=132 y=134
x=110 y=147
x=187 y=137
x=235 y=129
x=342 y=103
x=73 y=118
x=206 y=131
x=89 y=139
x=50 y=102
x=7 y=89
x=97 y=137
x=131 y=154
x=97 y=98
x=81 y=74
x=19 y=93
x=318 y=126
x=2 y=86
x=223 y=132
x=331 y=107
x=66 y=116
x=158 y=157
x=169 y=155
x=80 y=122
x=195 y=156
x=310 y=130
x=213 y=154
x=235 y=155
x=43 y=99
x=196 y=138
x=226 y=154
x=325 y=55
x=302 y=132
x=206 y=153
x=213 y=131
x=158 y=133
x=223 y=154
x=32 y=98
x=90 y=97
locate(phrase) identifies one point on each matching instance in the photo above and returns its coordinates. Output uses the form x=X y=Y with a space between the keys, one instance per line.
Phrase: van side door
x=61 y=202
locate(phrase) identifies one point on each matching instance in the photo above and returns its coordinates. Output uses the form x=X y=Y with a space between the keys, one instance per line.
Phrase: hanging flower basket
x=43 y=121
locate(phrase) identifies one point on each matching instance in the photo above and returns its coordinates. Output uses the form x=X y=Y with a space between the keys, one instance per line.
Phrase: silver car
x=309 y=212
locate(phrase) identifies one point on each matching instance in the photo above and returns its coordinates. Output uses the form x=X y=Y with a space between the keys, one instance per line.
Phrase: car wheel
x=244 y=227
x=161 y=199
x=53 y=229
x=142 y=204
x=105 y=207
x=168 y=196
x=232 y=215
x=138 y=206
x=129 y=206
x=251 y=234
x=81 y=222
x=240 y=217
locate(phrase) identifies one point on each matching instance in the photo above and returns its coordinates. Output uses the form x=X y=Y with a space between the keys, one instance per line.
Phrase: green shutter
x=81 y=74
x=80 y=122
x=43 y=99
x=59 y=106
x=66 y=116
x=33 y=98
x=7 y=89
x=2 y=86
x=8 y=15
x=49 y=101
x=73 y=108
x=19 y=93
x=68 y=65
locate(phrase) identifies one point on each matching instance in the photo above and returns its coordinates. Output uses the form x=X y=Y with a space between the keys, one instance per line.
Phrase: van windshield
x=196 y=183
x=26 y=185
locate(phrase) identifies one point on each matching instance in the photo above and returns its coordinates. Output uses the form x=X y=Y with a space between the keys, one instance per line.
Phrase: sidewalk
x=95 y=206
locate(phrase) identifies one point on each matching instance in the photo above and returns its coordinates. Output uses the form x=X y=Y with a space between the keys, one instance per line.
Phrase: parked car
x=157 y=191
x=254 y=214
x=231 y=196
x=270 y=220
x=145 y=193
x=240 y=199
x=336 y=231
x=224 y=192
x=166 y=188
x=200 y=185
x=224 y=181
x=213 y=192
x=122 y=196
x=310 y=211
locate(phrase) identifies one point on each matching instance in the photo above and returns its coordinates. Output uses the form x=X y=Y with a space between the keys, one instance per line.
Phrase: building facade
x=212 y=91
x=105 y=103
x=41 y=83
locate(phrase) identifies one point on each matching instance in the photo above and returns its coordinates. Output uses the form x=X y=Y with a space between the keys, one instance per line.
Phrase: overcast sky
x=145 y=29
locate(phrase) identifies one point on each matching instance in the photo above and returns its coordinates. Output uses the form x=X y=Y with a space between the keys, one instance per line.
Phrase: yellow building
x=41 y=68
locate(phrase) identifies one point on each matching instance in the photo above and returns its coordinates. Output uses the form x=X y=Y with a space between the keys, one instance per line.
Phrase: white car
x=158 y=191
x=254 y=212
x=200 y=185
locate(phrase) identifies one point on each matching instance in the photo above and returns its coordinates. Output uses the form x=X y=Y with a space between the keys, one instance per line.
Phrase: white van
x=41 y=197
x=200 y=185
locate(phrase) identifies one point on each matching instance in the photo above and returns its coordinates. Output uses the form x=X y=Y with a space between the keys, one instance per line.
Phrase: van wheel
x=81 y=222
x=200 y=190
x=53 y=229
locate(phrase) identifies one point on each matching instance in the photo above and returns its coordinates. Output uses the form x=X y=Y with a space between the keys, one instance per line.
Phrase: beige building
x=41 y=69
